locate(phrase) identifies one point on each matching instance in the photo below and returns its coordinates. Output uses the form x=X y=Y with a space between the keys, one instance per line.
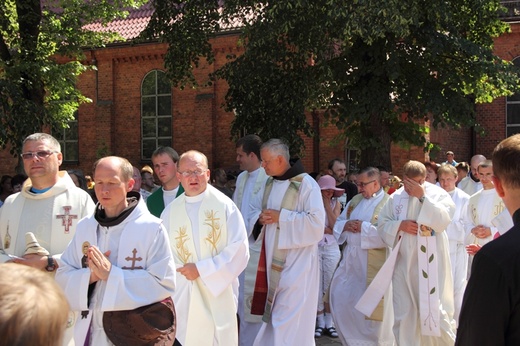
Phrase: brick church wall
x=111 y=123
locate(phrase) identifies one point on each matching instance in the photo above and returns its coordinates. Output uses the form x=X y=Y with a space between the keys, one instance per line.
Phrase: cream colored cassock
x=436 y=212
x=52 y=216
x=207 y=230
x=350 y=280
x=296 y=298
x=249 y=186
x=483 y=208
x=458 y=253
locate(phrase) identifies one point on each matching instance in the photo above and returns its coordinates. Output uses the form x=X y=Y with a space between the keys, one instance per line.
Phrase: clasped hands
x=269 y=216
x=480 y=232
x=353 y=226
x=98 y=264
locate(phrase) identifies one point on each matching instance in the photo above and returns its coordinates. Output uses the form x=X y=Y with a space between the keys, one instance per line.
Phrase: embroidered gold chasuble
x=209 y=311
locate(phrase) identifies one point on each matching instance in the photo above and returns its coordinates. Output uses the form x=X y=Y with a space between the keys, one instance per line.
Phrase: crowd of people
x=171 y=254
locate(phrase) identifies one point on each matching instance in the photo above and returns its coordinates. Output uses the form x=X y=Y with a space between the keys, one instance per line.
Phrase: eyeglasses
x=266 y=162
x=361 y=184
x=42 y=154
x=197 y=173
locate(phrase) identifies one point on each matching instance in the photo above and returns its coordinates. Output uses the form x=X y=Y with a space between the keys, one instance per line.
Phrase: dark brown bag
x=150 y=325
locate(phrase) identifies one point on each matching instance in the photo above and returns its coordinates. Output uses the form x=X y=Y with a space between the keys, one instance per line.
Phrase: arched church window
x=68 y=138
x=156 y=113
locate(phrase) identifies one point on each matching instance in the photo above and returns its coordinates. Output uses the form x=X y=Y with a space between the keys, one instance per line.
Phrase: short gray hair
x=278 y=147
x=44 y=137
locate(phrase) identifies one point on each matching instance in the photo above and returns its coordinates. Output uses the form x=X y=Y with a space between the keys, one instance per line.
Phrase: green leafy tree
x=41 y=48
x=377 y=69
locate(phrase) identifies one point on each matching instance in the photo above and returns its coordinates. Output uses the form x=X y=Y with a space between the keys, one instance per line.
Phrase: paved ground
x=327 y=341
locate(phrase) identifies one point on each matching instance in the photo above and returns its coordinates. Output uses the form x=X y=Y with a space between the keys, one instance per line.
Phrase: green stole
x=209 y=317
x=289 y=202
x=376 y=257
x=155 y=201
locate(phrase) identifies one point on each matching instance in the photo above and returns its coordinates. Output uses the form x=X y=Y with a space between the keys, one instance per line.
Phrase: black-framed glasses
x=41 y=154
x=196 y=173
x=361 y=184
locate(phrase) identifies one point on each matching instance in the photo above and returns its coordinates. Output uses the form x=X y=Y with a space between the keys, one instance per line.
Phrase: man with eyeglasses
x=49 y=205
x=363 y=255
x=210 y=248
x=413 y=224
x=164 y=161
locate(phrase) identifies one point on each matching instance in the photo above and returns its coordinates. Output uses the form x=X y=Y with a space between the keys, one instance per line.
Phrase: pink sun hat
x=327 y=182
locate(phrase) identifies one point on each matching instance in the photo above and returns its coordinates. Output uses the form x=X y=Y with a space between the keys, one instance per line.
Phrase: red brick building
x=134 y=111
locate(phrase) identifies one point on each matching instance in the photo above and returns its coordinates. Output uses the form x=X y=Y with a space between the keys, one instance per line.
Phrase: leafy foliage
x=377 y=69
x=37 y=90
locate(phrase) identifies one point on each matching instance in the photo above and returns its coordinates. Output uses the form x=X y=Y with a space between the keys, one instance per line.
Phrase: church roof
x=129 y=27
x=137 y=20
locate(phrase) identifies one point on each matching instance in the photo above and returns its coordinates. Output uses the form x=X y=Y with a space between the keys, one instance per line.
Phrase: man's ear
x=130 y=185
x=498 y=186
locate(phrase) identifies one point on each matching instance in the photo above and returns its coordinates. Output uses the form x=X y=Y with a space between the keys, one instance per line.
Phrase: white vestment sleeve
x=388 y=224
x=341 y=236
x=220 y=271
x=305 y=225
x=370 y=238
x=130 y=289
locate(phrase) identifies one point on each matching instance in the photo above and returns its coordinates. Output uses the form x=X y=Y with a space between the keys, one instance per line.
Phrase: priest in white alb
x=413 y=223
x=447 y=176
x=249 y=185
x=364 y=252
x=118 y=260
x=49 y=206
x=293 y=221
x=209 y=244
x=484 y=213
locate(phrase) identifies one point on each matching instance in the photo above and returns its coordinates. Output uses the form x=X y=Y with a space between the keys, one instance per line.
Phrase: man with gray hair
x=49 y=205
x=364 y=252
x=291 y=219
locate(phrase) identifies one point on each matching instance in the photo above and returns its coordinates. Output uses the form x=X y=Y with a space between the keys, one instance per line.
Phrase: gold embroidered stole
x=289 y=202
x=210 y=318
x=375 y=257
x=498 y=207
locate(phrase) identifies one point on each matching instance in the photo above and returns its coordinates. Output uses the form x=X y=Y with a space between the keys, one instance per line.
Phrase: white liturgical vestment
x=436 y=212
